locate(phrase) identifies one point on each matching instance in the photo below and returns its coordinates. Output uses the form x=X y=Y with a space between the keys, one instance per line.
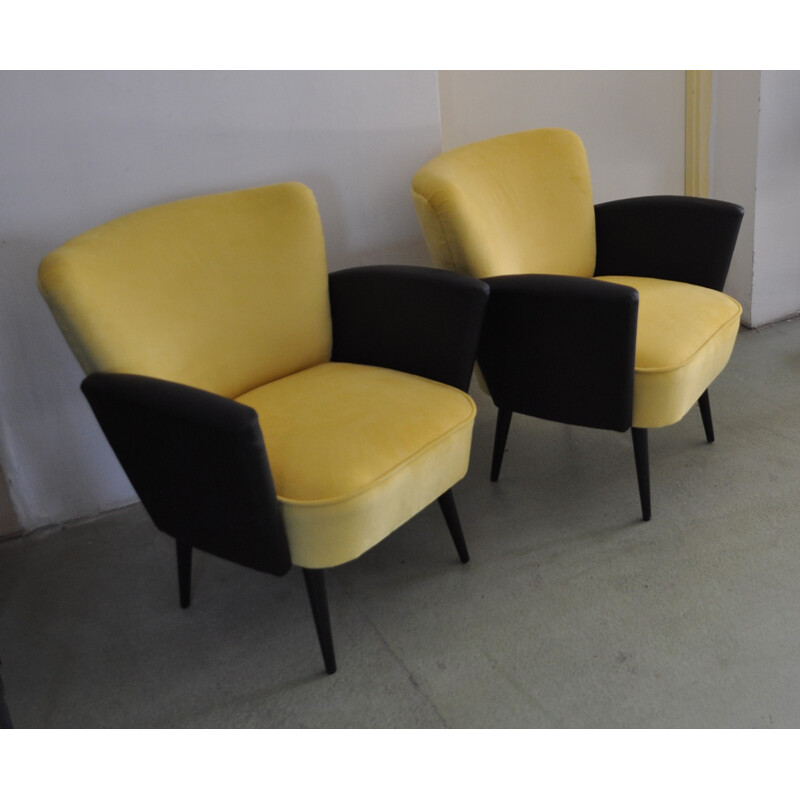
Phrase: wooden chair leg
x=315 y=586
x=500 y=436
x=448 y=505
x=642 y=468
x=705 y=413
x=5 y=716
x=184 y=552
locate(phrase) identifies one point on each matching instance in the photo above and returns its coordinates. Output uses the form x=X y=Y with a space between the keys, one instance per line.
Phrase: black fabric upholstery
x=418 y=320
x=689 y=239
x=198 y=464
x=561 y=348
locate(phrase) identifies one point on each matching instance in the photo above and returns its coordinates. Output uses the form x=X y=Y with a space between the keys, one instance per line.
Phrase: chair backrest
x=515 y=204
x=222 y=292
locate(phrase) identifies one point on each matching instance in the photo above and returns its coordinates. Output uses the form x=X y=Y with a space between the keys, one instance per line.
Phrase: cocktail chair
x=264 y=411
x=610 y=316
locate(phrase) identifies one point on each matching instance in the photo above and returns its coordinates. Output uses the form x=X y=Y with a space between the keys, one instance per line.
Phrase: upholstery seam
x=665 y=370
x=381 y=478
x=445 y=239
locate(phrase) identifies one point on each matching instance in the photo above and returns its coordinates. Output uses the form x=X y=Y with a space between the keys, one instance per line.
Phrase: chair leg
x=500 y=436
x=642 y=468
x=5 y=716
x=315 y=586
x=705 y=413
x=448 y=505
x=184 y=552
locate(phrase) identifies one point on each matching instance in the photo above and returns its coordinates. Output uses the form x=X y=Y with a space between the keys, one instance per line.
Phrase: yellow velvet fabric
x=356 y=451
x=222 y=292
x=684 y=338
x=516 y=204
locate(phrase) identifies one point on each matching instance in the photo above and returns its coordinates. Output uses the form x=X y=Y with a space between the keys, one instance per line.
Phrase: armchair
x=609 y=316
x=264 y=411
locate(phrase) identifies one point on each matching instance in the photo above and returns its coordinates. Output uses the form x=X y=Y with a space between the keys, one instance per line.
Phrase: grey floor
x=571 y=614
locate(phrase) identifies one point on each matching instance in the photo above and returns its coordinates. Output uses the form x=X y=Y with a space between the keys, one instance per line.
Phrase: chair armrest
x=561 y=348
x=689 y=239
x=197 y=462
x=413 y=319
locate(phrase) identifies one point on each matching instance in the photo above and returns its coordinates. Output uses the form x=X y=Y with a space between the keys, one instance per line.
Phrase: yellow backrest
x=223 y=292
x=516 y=204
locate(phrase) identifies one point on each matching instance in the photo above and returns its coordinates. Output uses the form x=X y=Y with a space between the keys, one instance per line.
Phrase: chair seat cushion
x=356 y=451
x=684 y=338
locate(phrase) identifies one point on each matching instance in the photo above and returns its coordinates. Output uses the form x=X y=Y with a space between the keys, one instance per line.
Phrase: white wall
x=77 y=149
x=734 y=143
x=776 y=265
x=755 y=162
x=631 y=123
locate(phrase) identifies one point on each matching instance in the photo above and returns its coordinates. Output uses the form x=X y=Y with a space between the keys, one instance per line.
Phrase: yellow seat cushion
x=684 y=338
x=356 y=451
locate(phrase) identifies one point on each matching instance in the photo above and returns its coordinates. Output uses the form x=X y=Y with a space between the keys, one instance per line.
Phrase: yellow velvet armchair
x=610 y=315
x=265 y=411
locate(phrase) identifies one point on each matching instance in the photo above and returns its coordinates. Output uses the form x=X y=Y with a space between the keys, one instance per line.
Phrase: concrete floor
x=572 y=613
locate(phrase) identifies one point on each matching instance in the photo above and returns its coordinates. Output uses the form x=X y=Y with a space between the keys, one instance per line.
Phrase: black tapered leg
x=315 y=585
x=448 y=505
x=5 y=716
x=500 y=436
x=705 y=413
x=642 y=468
x=184 y=552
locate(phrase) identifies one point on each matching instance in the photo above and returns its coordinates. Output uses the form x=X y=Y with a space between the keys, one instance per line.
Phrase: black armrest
x=689 y=239
x=561 y=348
x=198 y=463
x=414 y=319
